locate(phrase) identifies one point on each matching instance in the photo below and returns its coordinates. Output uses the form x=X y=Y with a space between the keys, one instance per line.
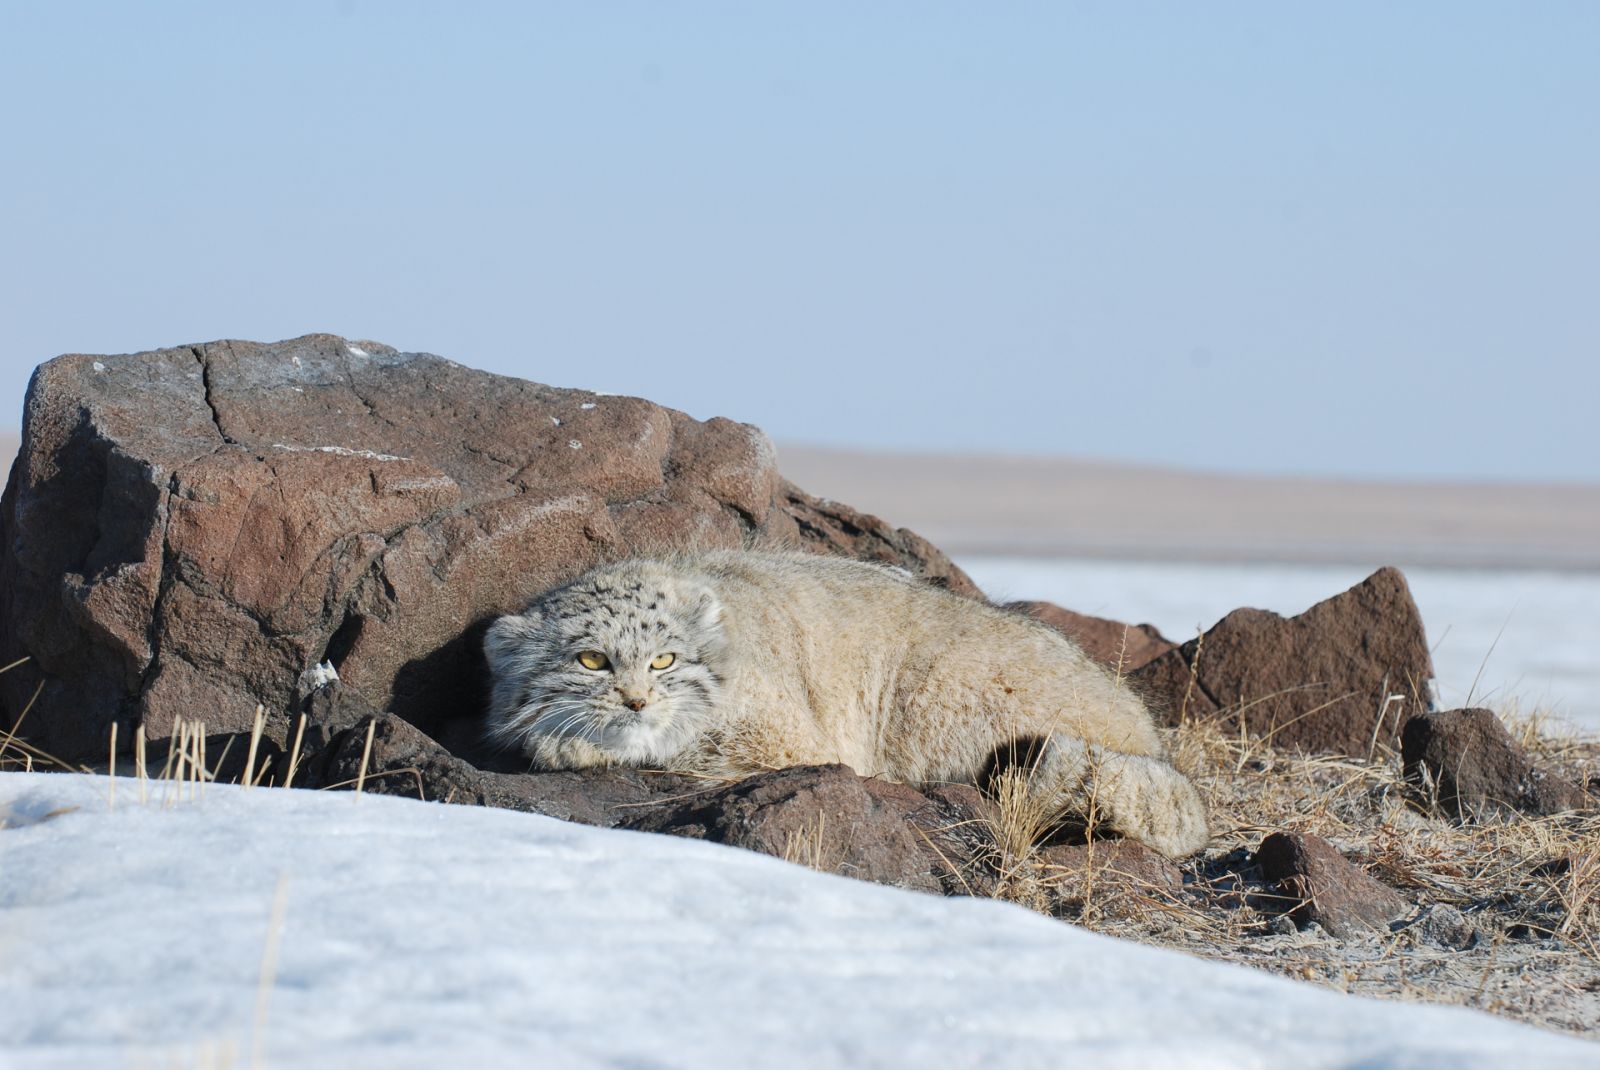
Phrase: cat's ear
x=707 y=611
x=508 y=637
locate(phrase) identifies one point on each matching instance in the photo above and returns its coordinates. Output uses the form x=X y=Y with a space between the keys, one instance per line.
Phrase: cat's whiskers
x=573 y=714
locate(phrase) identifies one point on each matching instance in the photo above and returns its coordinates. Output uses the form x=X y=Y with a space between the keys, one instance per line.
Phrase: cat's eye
x=593 y=659
x=662 y=661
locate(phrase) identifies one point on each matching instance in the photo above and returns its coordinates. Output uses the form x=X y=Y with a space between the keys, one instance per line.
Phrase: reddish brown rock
x=403 y=761
x=935 y=840
x=1316 y=682
x=1468 y=762
x=1115 y=645
x=186 y=531
x=831 y=527
x=1317 y=884
x=822 y=816
x=1116 y=866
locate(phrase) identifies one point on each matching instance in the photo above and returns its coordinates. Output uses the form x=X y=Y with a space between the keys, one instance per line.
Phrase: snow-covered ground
x=1533 y=636
x=417 y=934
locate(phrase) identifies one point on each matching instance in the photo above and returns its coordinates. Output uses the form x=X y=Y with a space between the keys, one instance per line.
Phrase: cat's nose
x=634 y=703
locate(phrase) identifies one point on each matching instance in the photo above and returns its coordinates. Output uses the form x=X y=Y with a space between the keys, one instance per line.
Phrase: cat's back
x=834 y=589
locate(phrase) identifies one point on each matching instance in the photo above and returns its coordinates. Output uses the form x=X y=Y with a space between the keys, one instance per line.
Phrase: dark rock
x=191 y=529
x=404 y=761
x=1110 y=642
x=1318 y=885
x=1444 y=926
x=1171 y=688
x=957 y=826
x=1282 y=925
x=1468 y=760
x=1315 y=682
x=823 y=816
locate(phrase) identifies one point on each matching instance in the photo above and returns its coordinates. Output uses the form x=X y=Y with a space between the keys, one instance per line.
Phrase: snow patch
x=587 y=405
x=99 y=367
x=420 y=934
x=356 y=351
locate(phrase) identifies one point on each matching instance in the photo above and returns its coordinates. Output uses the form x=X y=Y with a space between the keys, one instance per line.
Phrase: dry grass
x=811 y=846
x=1529 y=886
x=1525 y=890
x=186 y=766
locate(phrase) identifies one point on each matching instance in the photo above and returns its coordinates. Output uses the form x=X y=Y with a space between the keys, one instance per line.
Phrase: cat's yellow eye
x=593 y=659
x=661 y=661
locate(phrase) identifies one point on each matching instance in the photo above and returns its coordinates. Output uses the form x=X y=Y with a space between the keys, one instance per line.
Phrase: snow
x=1501 y=638
x=420 y=934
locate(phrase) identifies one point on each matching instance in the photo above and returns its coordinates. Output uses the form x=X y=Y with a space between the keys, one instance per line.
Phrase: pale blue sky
x=1354 y=238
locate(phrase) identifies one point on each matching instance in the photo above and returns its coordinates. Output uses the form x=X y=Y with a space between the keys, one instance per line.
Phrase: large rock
x=187 y=531
x=1468 y=762
x=1320 y=681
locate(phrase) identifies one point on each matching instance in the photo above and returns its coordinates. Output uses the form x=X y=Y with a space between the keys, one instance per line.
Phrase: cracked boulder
x=187 y=531
x=1339 y=678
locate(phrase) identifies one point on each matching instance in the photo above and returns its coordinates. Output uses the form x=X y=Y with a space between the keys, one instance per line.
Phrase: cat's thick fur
x=788 y=659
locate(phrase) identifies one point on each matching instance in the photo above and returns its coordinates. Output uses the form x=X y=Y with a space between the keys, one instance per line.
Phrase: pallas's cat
x=732 y=662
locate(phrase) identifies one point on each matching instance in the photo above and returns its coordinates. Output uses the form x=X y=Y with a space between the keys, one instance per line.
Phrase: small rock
x=1445 y=926
x=1319 y=885
x=1282 y=925
x=1120 y=865
x=1475 y=767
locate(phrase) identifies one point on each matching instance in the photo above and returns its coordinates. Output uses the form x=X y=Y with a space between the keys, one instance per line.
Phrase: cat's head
x=617 y=667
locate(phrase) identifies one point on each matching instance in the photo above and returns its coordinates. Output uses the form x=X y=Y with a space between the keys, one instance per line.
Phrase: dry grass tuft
x=1018 y=827
x=809 y=846
x=1507 y=907
x=1528 y=886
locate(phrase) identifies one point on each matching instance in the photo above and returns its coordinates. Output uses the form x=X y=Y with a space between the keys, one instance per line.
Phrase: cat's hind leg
x=1139 y=797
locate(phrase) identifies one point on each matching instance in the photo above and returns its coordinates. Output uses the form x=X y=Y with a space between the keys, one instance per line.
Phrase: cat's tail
x=1142 y=798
